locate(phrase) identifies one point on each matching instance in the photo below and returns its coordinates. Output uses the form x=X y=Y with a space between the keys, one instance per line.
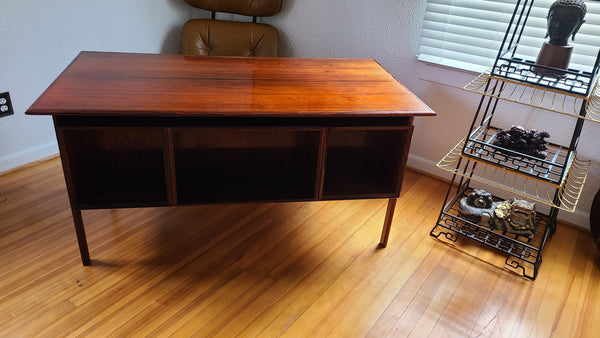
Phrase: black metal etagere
x=554 y=183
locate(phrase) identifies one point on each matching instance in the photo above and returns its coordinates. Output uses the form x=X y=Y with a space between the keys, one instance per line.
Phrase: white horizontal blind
x=468 y=33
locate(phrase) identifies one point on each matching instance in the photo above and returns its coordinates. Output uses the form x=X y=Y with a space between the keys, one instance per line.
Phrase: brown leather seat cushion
x=242 y=7
x=228 y=38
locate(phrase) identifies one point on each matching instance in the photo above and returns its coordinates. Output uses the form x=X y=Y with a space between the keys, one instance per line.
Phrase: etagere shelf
x=522 y=181
x=553 y=182
x=528 y=93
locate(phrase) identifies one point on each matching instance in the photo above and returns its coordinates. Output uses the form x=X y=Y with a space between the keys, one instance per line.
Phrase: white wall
x=40 y=40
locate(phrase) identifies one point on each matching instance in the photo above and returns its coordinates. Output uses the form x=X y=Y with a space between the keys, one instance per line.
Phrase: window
x=467 y=33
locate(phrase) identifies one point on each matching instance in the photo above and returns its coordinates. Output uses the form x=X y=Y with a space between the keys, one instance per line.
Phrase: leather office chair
x=231 y=38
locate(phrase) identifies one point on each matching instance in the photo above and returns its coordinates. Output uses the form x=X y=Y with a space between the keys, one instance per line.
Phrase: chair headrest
x=242 y=7
x=228 y=38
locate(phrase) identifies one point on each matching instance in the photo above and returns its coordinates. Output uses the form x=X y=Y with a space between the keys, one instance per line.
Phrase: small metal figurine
x=565 y=17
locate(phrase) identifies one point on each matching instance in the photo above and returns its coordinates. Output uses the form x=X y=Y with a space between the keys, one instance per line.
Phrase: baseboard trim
x=29 y=165
x=27 y=156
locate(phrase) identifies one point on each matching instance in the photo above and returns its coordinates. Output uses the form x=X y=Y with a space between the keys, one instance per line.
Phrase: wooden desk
x=138 y=130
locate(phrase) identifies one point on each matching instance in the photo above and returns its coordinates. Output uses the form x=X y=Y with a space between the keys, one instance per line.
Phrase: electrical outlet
x=5 y=105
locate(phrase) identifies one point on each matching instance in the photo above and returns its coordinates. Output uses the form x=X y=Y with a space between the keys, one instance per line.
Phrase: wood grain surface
x=280 y=269
x=119 y=84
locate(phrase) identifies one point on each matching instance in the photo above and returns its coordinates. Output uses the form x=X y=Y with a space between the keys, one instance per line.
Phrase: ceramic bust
x=565 y=17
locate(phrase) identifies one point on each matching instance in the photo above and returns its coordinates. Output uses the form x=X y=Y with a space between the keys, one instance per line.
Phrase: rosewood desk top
x=130 y=84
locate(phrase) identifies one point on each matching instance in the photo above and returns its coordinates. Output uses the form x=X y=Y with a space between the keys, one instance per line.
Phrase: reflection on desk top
x=130 y=84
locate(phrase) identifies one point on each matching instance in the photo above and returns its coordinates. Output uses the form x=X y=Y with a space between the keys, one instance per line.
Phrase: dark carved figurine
x=513 y=215
x=477 y=207
x=565 y=17
x=530 y=142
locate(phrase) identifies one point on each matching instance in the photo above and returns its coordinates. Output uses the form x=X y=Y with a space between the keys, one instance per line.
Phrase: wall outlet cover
x=5 y=105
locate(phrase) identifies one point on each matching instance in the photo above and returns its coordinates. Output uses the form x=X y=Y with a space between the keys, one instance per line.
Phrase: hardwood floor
x=292 y=269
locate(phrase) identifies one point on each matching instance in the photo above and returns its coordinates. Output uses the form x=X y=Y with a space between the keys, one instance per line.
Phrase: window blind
x=468 y=33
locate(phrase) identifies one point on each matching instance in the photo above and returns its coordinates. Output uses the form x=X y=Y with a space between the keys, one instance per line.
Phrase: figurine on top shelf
x=530 y=142
x=564 y=19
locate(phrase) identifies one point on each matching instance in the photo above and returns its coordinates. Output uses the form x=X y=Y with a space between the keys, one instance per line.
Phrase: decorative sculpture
x=564 y=19
x=530 y=142
x=477 y=207
x=513 y=215
x=516 y=216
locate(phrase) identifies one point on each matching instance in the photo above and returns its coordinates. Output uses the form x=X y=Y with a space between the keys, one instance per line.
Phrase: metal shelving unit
x=554 y=182
x=521 y=182
x=524 y=254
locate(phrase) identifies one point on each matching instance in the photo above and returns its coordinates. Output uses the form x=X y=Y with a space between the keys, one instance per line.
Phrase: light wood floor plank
x=278 y=269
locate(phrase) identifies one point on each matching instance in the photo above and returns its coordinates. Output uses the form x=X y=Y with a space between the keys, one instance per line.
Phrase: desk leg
x=387 y=224
x=80 y=230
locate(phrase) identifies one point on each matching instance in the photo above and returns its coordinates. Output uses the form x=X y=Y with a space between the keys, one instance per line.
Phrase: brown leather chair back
x=242 y=7
x=228 y=38
x=231 y=38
